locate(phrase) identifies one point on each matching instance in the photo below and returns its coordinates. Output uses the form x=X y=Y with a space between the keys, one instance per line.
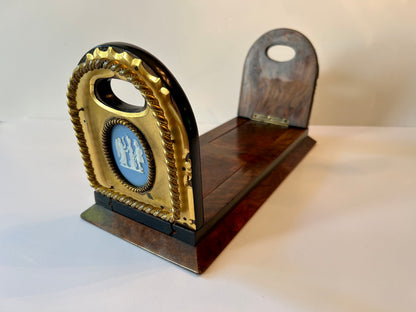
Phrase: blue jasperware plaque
x=129 y=155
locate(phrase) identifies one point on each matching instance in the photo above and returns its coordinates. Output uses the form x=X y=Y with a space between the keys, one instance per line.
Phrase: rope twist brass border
x=124 y=71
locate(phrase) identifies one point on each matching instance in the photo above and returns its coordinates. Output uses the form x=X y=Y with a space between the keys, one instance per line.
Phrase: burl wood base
x=243 y=162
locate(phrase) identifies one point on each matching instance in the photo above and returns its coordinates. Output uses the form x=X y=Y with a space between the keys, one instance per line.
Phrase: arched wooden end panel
x=279 y=92
x=143 y=162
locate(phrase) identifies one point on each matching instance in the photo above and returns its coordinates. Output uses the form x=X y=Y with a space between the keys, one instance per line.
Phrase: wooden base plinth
x=231 y=196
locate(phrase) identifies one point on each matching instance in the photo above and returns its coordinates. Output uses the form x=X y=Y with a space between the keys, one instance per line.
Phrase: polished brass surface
x=271 y=120
x=171 y=197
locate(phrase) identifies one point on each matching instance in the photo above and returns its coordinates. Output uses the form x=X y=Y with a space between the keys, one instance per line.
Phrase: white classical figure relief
x=138 y=155
x=128 y=157
x=121 y=152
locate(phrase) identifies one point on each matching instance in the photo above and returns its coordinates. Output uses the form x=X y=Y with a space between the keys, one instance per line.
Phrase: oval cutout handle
x=119 y=94
x=280 y=53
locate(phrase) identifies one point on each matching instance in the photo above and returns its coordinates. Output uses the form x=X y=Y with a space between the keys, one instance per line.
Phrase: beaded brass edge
x=106 y=139
x=93 y=63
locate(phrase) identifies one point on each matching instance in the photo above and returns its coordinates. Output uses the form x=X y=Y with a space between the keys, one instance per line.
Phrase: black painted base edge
x=185 y=235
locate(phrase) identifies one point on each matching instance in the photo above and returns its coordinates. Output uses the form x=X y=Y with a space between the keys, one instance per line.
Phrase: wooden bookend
x=157 y=183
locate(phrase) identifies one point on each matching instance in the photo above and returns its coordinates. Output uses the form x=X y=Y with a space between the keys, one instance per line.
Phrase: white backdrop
x=338 y=235
x=366 y=50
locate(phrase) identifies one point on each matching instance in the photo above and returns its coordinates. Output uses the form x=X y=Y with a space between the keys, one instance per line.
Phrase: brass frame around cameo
x=172 y=200
x=106 y=140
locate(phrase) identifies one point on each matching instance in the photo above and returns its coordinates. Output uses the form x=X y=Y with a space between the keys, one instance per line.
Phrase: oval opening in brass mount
x=120 y=95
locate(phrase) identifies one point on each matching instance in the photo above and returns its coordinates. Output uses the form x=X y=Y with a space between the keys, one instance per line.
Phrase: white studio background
x=337 y=236
x=366 y=50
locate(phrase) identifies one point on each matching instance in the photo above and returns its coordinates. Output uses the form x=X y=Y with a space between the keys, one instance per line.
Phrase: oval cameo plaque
x=129 y=154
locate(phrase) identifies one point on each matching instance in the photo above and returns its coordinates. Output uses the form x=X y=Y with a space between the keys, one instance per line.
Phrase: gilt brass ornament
x=156 y=131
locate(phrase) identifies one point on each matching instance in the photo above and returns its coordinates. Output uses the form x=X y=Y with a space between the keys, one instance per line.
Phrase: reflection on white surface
x=337 y=235
x=39 y=258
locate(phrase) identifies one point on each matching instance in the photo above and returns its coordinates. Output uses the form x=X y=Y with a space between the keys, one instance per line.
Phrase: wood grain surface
x=279 y=89
x=234 y=161
x=198 y=258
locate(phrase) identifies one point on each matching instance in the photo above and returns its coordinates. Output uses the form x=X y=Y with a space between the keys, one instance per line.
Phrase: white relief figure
x=138 y=155
x=128 y=157
x=130 y=151
x=121 y=152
